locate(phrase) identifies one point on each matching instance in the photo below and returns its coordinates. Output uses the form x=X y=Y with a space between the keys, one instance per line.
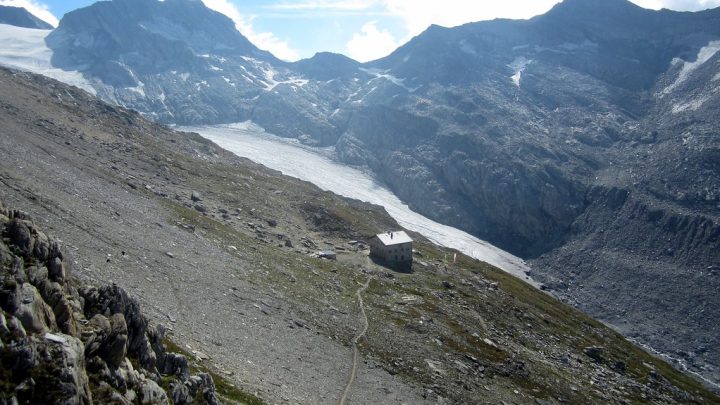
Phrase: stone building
x=392 y=248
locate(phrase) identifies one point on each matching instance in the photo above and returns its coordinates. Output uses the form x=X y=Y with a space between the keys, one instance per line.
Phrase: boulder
x=594 y=353
x=195 y=196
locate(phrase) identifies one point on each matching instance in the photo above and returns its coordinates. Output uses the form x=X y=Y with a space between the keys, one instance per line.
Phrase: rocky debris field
x=61 y=343
x=225 y=253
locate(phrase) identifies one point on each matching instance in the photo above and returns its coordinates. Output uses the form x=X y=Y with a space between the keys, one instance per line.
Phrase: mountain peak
x=20 y=17
x=595 y=8
x=146 y=36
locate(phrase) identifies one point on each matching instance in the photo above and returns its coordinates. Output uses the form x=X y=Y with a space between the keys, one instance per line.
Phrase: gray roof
x=394 y=238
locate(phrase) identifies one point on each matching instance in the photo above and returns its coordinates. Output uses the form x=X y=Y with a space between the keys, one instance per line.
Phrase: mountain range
x=584 y=139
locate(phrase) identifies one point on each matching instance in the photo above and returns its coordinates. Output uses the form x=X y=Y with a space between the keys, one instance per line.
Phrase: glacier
x=317 y=166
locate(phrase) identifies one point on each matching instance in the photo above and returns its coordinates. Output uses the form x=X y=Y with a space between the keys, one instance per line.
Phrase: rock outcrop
x=63 y=344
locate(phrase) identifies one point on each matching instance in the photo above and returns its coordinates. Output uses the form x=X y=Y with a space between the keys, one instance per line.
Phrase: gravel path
x=355 y=340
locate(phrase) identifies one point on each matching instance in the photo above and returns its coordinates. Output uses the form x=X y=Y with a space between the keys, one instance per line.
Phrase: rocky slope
x=581 y=138
x=20 y=17
x=78 y=345
x=224 y=251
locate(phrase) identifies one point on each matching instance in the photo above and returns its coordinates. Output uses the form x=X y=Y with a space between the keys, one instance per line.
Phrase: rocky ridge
x=79 y=345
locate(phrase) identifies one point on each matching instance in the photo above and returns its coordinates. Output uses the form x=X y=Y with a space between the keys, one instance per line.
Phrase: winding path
x=357 y=337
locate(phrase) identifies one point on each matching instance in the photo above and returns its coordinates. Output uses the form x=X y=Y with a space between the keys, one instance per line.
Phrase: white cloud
x=681 y=5
x=371 y=43
x=39 y=10
x=263 y=40
x=418 y=15
x=338 y=5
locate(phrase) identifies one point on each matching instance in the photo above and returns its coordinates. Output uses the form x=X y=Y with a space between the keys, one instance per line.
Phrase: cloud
x=418 y=15
x=39 y=10
x=681 y=5
x=335 y=5
x=371 y=43
x=263 y=40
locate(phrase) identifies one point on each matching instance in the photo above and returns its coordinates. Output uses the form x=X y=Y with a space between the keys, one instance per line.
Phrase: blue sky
x=361 y=29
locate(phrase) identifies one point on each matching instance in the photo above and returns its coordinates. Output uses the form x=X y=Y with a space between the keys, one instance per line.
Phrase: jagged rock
x=195 y=196
x=52 y=367
x=95 y=337
x=42 y=247
x=114 y=349
x=16 y=328
x=151 y=393
x=74 y=380
x=203 y=383
x=21 y=236
x=58 y=364
x=176 y=364
x=4 y=330
x=10 y=299
x=120 y=399
x=113 y=299
x=21 y=357
x=180 y=394
x=37 y=275
x=56 y=270
x=33 y=312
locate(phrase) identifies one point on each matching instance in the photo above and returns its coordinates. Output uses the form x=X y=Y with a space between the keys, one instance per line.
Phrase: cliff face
x=61 y=343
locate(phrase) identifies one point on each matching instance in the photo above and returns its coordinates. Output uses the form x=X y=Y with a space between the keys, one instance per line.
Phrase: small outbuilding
x=392 y=248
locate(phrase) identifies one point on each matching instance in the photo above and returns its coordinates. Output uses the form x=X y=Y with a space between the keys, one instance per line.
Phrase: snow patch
x=25 y=49
x=691 y=105
x=383 y=74
x=270 y=82
x=518 y=66
x=139 y=89
x=703 y=56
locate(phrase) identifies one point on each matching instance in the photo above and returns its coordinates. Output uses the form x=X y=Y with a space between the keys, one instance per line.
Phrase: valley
x=576 y=151
x=222 y=251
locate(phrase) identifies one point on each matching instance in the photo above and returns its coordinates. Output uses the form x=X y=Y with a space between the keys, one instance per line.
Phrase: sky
x=361 y=29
